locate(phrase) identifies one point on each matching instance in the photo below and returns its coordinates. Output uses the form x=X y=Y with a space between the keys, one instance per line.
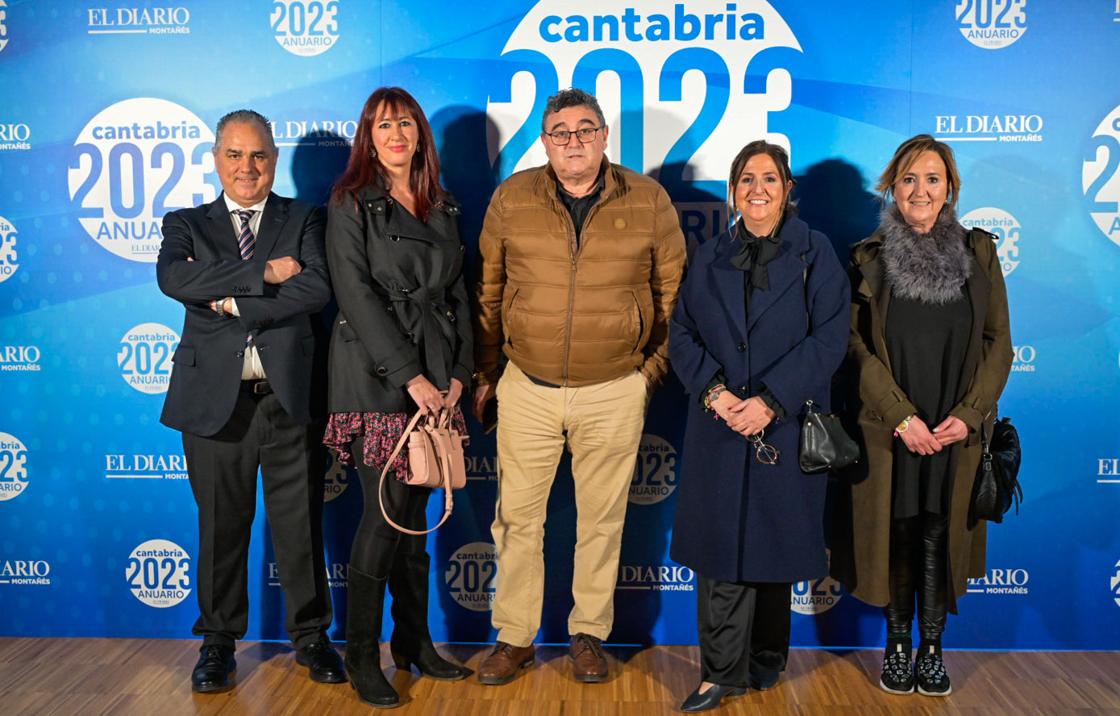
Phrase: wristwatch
x=904 y=425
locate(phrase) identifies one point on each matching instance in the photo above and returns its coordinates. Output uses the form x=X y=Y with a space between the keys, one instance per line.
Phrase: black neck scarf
x=754 y=252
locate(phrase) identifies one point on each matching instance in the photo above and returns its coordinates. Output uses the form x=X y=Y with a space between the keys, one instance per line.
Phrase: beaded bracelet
x=712 y=394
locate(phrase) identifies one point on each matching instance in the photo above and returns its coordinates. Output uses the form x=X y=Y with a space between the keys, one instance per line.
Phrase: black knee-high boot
x=933 y=679
x=365 y=607
x=412 y=641
x=898 y=669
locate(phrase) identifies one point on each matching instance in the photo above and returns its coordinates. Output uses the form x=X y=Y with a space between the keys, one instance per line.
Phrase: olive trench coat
x=861 y=525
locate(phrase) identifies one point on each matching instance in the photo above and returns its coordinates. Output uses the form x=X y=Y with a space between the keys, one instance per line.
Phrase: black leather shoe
x=212 y=672
x=322 y=661
x=710 y=699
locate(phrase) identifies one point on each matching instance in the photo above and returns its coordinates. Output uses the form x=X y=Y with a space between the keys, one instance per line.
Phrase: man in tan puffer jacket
x=581 y=264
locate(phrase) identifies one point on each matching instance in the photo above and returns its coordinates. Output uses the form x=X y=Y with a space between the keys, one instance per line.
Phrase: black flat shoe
x=212 y=672
x=323 y=662
x=710 y=699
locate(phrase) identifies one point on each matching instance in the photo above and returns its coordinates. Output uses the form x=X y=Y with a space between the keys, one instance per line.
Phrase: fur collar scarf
x=931 y=267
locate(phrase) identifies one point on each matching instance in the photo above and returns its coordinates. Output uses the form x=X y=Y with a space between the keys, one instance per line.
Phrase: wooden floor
x=151 y=677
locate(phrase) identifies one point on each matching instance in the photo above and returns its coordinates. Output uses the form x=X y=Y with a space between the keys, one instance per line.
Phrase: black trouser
x=223 y=475
x=377 y=544
x=918 y=569
x=744 y=630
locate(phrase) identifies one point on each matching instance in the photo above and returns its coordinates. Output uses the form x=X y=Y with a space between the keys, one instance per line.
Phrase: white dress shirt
x=251 y=368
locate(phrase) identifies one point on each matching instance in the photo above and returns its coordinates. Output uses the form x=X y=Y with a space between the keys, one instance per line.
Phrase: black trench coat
x=403 y=307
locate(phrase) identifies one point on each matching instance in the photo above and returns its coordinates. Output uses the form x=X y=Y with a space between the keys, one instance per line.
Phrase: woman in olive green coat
x=930 y=350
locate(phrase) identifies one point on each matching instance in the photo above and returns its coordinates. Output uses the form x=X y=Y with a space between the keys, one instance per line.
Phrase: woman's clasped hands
x=747 y=417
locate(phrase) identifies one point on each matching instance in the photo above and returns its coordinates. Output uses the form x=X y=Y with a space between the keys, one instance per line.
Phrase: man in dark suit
x=250 y=270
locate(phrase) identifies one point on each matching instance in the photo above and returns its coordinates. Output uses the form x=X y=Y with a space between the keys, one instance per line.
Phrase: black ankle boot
x=898 y=669
x=412 y=641
x=364 y=609
x=933 y=679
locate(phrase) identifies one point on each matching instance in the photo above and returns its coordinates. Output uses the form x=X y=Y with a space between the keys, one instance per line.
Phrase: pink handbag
x=435 y=459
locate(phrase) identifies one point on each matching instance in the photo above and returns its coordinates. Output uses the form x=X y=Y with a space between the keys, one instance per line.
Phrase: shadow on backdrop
x=462 y=133
x=317 y=162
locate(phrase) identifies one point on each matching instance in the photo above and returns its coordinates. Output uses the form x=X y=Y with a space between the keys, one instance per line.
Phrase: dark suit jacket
x=207 y=365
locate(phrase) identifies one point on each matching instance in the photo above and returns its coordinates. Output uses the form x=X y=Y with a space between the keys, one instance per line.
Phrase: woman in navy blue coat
x=760 y=327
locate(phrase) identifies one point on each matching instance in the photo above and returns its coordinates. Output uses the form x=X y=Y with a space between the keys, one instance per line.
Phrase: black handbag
x=825 y=445
x=997 y=479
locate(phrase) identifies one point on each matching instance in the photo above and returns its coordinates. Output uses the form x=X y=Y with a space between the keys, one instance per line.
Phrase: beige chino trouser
x=604 y=424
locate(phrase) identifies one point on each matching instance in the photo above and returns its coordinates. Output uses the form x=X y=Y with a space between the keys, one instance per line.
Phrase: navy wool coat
x=737 y=519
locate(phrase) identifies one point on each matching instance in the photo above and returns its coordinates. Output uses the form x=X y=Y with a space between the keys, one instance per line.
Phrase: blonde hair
x=908 y=153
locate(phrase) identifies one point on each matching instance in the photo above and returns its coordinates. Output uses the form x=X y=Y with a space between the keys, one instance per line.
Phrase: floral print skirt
x=379 y=433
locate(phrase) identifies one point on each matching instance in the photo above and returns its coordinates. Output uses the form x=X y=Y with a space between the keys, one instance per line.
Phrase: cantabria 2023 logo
x=131 y=164
x=305 y=27
x=3 y=24
x=9 y=254
x=992 y=24
x=1100 y=178
x=671 y=78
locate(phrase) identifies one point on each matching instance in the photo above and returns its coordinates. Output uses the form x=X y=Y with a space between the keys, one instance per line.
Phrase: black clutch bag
x=825 y=445
x=997 y=479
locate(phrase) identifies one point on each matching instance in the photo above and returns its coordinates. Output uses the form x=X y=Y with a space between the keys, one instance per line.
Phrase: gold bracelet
x=904 y=425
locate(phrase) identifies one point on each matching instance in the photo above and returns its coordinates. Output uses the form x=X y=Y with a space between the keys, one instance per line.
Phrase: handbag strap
x=443 y=465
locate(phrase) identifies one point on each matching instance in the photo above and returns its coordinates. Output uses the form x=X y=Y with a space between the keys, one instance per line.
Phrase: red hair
x=362 y=169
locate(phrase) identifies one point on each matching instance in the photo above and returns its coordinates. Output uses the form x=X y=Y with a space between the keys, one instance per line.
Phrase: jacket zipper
x=574 y=250
x=572 y=253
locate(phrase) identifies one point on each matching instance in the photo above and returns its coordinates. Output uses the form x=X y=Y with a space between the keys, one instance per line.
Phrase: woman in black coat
x=760 y=326
x=401 y=343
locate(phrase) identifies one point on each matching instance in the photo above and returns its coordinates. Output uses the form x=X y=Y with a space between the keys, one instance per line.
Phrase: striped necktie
x=246 y=241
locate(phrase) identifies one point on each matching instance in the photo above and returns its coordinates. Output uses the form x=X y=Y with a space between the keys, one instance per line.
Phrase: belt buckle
x=261 y=387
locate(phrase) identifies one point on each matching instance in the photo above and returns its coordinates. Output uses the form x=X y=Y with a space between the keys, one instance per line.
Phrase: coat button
x=742 y=389
x=382 y=370
x=451 y=316
x=742 y=347
x=394 y=238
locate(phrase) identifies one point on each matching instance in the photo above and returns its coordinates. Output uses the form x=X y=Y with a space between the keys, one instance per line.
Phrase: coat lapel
x=872 y=271
x=730 y=288
x=978 y=287
x=787 y=268
x=272 y=224
x=221 y=229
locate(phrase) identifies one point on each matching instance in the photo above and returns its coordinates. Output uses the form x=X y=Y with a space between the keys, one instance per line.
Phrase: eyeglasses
x=562 y=137
x=764 y=453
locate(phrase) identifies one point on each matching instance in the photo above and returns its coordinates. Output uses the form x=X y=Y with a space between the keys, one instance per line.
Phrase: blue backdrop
x=106 y=123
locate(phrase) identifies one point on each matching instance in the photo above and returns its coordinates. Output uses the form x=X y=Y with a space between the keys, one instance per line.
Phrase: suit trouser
x=223 y=476
x=743 y=629
x=603 y=425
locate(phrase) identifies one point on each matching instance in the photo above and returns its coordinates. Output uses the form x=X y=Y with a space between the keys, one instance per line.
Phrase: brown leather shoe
x=504 y=663
x=589 y=664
